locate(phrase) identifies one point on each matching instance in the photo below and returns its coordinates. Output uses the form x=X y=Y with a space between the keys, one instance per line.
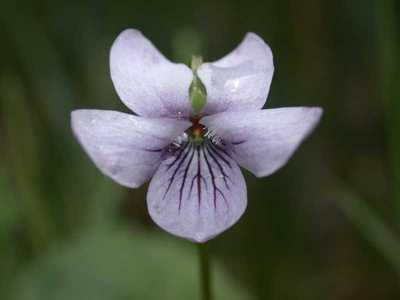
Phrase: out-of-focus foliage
x=324 y=227
x=116 y=264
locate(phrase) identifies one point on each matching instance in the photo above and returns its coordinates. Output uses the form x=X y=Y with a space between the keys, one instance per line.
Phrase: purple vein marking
x=238 y=143
x=172 y=178
x=198 y=176
x=217 y=152
x=223 y=173
x=214 y=184
x=184 y=178
x=152 y=150
x=183 y=161
x=178 y=156
x=220 y=149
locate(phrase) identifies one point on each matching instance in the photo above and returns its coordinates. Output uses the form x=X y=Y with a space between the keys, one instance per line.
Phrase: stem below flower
x=205 y=274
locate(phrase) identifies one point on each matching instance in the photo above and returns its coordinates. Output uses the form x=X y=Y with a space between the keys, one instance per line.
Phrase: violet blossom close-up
x=213 y=150
x=193 y=128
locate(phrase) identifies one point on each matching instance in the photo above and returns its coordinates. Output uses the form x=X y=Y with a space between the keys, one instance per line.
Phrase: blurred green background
x=326 y=226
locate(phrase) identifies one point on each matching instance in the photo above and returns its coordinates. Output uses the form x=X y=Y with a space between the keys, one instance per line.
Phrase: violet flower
x=197 y=189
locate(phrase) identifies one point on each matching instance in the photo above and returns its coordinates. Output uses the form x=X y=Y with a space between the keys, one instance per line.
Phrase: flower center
x=197 y=135
x=198 y=131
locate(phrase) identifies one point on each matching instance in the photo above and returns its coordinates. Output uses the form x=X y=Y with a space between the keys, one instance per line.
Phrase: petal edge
x=125 y=147
x=241 y=79
x=263 y=141
x=147 y=82
x=195 y=195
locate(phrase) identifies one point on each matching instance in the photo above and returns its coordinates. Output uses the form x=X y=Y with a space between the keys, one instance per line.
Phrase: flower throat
x=198 y=132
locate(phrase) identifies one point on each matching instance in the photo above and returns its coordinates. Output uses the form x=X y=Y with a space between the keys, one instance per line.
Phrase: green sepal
x=197 y=90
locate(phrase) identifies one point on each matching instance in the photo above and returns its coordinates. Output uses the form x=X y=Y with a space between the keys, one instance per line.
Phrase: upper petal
x=263 y=141
x=197 y=193
x=240 y=80
x=147 y=82
x=124 y=147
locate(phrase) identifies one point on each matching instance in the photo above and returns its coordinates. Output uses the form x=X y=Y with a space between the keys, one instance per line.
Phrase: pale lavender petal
x=125 y=147
x=241 y=80
x=197 y=193
x=147 y=82
x=263 y=141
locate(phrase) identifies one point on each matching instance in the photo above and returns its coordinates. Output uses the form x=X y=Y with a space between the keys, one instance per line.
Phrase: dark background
x=326 y=226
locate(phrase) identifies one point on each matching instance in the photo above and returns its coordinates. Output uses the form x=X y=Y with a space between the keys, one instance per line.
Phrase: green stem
x=389 y=63
x=205 y=274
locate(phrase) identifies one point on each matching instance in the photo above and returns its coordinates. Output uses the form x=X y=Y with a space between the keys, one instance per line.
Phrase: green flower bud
x=197 y=90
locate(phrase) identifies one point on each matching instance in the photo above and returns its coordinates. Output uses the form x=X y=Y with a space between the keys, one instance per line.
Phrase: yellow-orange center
x=197 y=129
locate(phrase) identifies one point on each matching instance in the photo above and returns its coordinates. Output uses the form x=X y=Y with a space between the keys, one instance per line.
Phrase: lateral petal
x=125 y=147
x=263 y=141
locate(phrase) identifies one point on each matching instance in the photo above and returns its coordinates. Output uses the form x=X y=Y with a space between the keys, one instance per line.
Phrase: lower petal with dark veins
x=198 y=192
